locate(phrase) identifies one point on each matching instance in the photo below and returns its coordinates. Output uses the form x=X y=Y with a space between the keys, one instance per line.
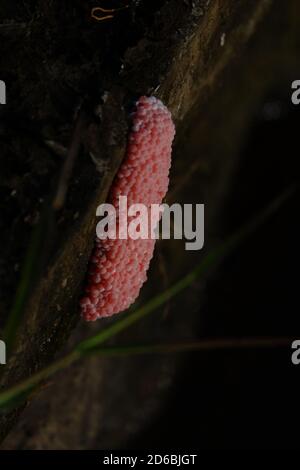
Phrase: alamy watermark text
x=2 y=353
x=139 y=221
x=2 y=92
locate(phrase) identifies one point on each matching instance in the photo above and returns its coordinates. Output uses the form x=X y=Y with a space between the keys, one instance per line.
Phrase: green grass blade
x=31 y=268
x=209 y=261
x=203 y=345
x=93 y=344
x=12 y=397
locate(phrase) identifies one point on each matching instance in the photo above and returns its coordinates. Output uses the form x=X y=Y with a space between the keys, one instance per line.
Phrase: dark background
x=248 y=399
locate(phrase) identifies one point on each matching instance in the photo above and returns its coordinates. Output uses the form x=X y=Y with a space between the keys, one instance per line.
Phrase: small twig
x=56 y=148
x=8 y=27
x=185 y=179
x=41 y=238
x=68 y=166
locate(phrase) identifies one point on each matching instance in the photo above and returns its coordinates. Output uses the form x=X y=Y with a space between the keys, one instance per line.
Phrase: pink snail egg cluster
x=118 y=267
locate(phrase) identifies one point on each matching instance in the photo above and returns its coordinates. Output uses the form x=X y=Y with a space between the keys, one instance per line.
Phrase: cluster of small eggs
x=118 y=268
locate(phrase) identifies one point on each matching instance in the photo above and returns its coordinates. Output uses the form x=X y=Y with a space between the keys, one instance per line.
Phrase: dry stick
x=68 y=166
x=57 y=148
x=41 y=236
x=11 y=27
x=184 y=180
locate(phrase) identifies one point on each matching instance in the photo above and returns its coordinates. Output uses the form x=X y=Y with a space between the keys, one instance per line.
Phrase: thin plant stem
x=203 y=345
x=93 y=344
x=24 y=389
